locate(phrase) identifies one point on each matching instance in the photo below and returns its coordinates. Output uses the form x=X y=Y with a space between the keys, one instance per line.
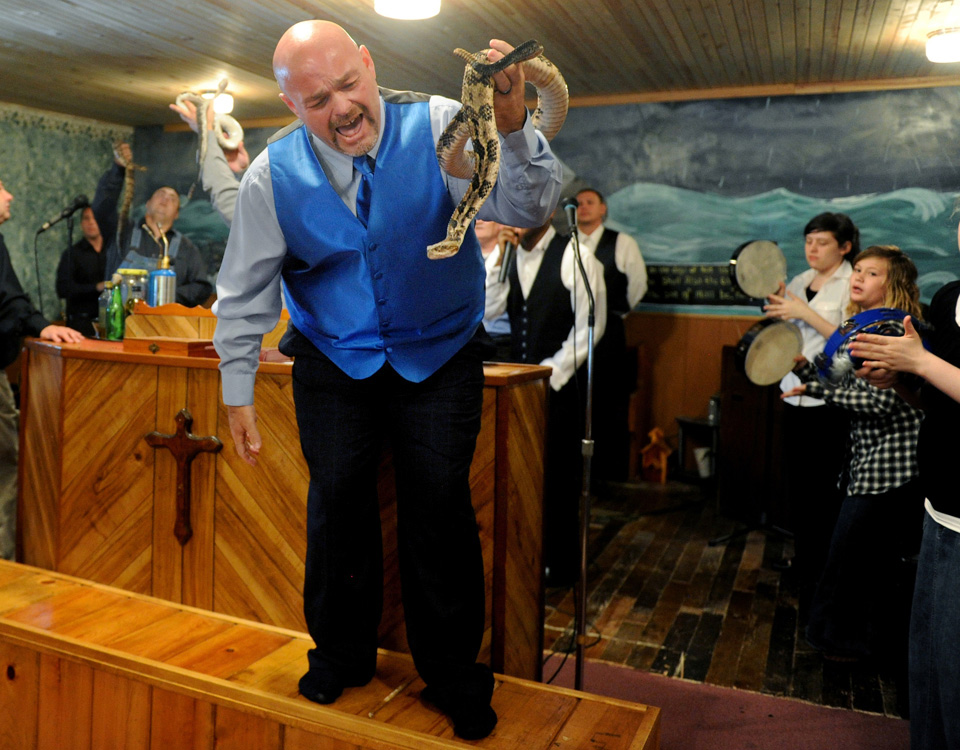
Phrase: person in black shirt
x=80 y=275
x=18 y=317
x=934 y=682
x=142 y=244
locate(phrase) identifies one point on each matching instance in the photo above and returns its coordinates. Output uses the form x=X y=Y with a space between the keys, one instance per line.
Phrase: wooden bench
x=87 y=666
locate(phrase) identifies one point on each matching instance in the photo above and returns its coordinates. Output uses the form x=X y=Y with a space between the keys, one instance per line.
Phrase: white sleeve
x=496 y=293
x=573 y=351
x=630 y=262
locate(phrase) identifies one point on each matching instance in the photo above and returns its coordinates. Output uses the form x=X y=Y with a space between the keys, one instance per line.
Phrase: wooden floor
x=663 y=599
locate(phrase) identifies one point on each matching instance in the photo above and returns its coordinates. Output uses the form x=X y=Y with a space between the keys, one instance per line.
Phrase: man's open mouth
x=352 y=127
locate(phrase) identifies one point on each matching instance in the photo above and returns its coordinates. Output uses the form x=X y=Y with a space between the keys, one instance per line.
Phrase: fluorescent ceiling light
x=943 y=45
x=407 y=10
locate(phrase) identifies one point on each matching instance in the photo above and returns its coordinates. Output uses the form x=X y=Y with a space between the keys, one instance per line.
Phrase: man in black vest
x=547 y=302
x=625 y=276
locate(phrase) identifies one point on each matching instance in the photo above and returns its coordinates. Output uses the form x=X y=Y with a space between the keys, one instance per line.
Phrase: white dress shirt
x=628 y=259
x=573 y=351
x=830 y=303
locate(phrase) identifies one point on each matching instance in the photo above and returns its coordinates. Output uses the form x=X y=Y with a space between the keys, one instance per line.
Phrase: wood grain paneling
x=121 y=713
x=171 y=396
x=177 y=321
x=518 y=589
x=260 y=516
x=107 y=473
x=19 y=697
x=149 y=326
x=39 y=467
x=246 y=557
x=683 y=358
x=203 y=399
x=66 y=704
x=77 y=694
x=180 y=722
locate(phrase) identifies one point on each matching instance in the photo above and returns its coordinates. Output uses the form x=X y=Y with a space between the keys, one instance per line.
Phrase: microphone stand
x=586 y=449
x=69 y=259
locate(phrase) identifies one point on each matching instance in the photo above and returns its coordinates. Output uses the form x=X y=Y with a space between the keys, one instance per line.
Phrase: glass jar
x=134 y=284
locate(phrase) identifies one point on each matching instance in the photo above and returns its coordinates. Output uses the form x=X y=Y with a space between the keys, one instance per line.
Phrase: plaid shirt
x=883 y=432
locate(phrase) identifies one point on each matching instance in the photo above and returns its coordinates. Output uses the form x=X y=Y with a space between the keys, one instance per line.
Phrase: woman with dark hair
x=815 y=301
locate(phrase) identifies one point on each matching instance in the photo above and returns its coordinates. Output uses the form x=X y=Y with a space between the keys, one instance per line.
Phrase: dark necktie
x=363 y=165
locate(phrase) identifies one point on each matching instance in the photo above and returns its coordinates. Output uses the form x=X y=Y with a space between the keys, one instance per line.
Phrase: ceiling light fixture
x=222 y=103
x=943 y=45
x=407 y=10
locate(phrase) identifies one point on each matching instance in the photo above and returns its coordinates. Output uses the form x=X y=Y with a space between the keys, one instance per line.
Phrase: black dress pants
x=563 y=483
x=815 y=453
x=432 y=427
x=615 y=377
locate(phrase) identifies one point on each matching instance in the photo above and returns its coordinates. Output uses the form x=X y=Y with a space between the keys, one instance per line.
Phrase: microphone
x=570 y=209
x=508 y=250
x=81 y=201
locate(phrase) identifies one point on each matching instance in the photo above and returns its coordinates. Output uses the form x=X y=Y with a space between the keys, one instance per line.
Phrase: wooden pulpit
x=98 y=502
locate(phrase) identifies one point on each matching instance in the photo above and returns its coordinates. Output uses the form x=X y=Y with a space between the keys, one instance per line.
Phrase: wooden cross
x=184 y=446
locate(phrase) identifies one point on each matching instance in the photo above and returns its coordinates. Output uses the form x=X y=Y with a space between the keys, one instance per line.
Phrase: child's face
x=823 y=251
x=868 y=284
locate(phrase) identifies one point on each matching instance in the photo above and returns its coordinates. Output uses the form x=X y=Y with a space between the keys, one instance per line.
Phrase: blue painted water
x=677 y=226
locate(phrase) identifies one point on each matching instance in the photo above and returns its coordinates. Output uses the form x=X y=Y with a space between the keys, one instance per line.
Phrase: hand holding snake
x=228 y=130
x=237 y=158
x=508 y=89
x=492 y=101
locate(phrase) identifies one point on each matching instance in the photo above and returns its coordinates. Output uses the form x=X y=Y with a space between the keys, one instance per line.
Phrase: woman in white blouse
x=815 y=435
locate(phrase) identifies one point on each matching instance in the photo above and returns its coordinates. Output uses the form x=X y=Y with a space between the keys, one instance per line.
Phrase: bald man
x=388 y=345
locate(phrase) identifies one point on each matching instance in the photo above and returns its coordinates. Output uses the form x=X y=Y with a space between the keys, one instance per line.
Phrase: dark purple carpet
x=695 y=716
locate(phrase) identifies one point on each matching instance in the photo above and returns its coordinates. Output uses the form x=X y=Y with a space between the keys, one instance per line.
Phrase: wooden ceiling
x=123 y=61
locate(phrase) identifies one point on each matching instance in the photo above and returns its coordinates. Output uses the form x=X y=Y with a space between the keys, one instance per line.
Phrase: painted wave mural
x=678 y=226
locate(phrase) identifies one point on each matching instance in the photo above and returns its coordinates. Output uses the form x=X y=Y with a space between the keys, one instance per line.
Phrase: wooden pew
x=88 y=666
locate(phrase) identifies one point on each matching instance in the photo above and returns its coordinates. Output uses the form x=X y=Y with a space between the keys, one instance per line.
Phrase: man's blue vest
x=368 y=296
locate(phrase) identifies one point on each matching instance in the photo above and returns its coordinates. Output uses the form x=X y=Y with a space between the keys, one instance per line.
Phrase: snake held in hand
x=476 y=121
x=228 y=130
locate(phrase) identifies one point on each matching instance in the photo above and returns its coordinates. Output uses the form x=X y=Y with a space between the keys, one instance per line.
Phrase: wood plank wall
x=679 y=365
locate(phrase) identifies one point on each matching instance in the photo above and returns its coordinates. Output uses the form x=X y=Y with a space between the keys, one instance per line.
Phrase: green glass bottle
x=115 y=313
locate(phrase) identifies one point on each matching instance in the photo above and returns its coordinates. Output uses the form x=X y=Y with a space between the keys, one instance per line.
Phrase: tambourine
x=835 y=361
x=768 y=350
x=758 y=268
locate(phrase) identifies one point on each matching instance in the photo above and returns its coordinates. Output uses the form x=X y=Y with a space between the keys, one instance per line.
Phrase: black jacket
x=18 y=316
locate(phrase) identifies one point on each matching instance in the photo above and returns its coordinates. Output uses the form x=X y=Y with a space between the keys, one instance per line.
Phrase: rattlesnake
x=129 y=183
x=476 y=121
x=228 y=130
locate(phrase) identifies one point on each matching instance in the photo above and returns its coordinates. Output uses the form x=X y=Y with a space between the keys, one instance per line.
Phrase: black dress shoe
x=320 y=689
x=471 y=721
